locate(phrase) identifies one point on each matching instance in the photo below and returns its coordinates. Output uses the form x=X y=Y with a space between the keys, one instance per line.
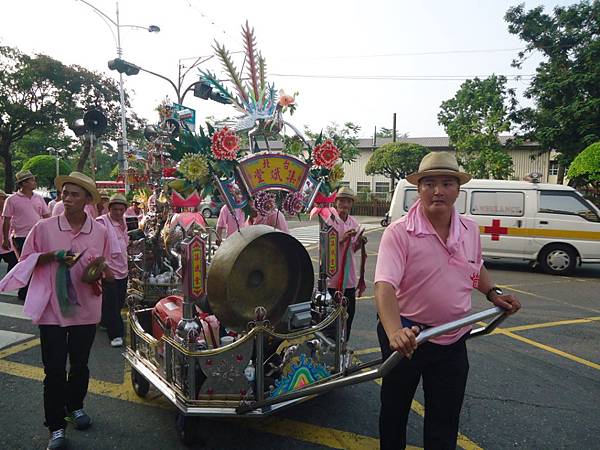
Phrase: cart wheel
x=141 y=386
x=185 y=429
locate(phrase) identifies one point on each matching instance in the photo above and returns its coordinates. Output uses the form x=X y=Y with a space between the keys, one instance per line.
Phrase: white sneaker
x=117 y=342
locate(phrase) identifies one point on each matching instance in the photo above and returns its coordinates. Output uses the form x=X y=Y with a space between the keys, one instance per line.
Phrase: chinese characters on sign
x=332 y=252
x=273 y=171
x=195 y=268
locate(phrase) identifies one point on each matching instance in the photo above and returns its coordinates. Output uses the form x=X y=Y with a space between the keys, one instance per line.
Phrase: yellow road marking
x=367 y=351
x=365 y=297
x=19 y=348
x=549 y=298
x=553 y=350
x=551 y=324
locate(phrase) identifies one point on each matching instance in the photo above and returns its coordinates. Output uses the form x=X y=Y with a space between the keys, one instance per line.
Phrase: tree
x=585 y=168
x=384 y=132
x=44 y=169
x=395 y=160
x=473 y=119
x=40 y=93
x=566 y=86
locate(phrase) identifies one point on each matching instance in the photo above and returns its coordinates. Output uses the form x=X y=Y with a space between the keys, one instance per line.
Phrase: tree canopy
x=41 y=94
x=585 y=168
x=44 y=169
x=473 y=120
x=395 y=160
x=566 y=86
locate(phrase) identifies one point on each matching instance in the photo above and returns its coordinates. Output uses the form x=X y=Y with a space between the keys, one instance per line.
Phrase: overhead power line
x=525 y=77
x=423 y=53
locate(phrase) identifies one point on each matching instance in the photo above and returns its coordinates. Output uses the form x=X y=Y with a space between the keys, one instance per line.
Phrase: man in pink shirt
x=8 y=255
x=274 y=218
x=350 y=240
x=90 y=209
x=228 y=223
x=21 y=212
x=54 y=201
x=429 y=261
x=65 y=307
x=114 y=293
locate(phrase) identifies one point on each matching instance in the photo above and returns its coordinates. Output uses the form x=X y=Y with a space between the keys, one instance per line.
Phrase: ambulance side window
x=411 y=195
x=485 y=203
x=564 y=202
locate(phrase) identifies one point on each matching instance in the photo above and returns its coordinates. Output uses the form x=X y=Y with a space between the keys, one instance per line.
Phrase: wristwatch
x=495 y=289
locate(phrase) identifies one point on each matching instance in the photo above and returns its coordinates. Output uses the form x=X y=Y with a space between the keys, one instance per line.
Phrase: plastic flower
x=292 y=204
x=285 y=100
x=225 y=144
x=169 y=172
x=326 y=154
x=264 y=203
x=193 y=167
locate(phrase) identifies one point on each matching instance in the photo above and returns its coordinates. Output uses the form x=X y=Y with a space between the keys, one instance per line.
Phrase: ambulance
x=546 y=224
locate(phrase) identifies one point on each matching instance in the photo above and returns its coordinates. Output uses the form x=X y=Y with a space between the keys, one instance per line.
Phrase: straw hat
x=80 y=180
x=118 y=198
x=436 y=164
x=345 y=192
x=23 y=175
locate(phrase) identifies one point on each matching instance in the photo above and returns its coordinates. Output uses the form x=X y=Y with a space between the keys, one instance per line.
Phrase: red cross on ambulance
x=495 y=230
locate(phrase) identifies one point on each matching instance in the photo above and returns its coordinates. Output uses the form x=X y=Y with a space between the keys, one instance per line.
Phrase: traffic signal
x=205 y=91
x=123 y=66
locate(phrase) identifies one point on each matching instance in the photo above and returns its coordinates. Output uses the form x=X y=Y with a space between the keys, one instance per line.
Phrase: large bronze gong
x=258 y=266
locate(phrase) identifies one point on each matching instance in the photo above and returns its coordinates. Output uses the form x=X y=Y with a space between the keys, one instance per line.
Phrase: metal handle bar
x=498 y=313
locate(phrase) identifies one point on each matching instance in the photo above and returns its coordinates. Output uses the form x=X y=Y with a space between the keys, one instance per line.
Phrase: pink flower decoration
x=225 y=144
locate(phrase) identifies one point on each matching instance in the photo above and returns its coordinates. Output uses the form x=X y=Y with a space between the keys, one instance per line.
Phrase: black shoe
x=57 y=440
x=80 y=419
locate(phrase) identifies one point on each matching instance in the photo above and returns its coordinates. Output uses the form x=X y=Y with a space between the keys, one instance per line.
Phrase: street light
x=122 y=149
x=58 y=153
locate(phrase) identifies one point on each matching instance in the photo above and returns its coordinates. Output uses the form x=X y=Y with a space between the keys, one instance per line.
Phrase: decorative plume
x=212 y=80
x=231 y=70
x=262 y=68
x=252 y=58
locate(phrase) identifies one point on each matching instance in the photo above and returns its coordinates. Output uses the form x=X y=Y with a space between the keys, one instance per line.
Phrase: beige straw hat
x=436 y=164
x=80 y=180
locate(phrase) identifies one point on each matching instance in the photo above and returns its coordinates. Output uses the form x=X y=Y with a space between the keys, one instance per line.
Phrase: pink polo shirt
x=24 y=212
x=53 y=234
x=433 y=279
x=90 y=209
x=274 y=219
x=227 y=220
x=341 y=227
x=119 y=240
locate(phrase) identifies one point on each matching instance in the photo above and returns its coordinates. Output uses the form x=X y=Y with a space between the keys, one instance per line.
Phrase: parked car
x=210 y=206
x=547 y=224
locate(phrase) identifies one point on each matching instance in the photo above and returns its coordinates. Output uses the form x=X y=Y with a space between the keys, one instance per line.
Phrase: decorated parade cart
x=242 y=330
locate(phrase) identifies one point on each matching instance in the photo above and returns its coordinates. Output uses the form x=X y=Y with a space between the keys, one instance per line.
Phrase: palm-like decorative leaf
x=211 y=79
x=253 y=60
x=231 y=70
x=262 y=70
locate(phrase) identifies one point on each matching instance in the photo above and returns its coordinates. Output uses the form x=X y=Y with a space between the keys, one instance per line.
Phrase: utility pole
x=394 y=129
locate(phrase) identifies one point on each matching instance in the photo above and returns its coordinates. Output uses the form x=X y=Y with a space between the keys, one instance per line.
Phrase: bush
x=44 y=169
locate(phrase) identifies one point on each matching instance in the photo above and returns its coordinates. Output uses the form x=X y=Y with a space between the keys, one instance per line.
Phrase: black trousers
x=10 y=259
x=61 y=393
x=444 y=369
x=19 y=242
x=113 y=299
x=350 y=294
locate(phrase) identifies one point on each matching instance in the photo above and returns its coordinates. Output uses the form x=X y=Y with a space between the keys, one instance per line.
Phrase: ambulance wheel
x=557 y=259
x=141 y=386
x=185 y=429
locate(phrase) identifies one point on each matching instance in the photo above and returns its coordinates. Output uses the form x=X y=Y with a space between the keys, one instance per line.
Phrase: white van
x=549 y=224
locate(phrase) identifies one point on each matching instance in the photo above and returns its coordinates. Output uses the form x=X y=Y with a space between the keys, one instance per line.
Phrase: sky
x=324 y=50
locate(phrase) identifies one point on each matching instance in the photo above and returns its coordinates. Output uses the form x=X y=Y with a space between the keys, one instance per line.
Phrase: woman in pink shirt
x=114 y=293
x=274 y=219
x=429 y=262
x=228 y=223
x=65 y=307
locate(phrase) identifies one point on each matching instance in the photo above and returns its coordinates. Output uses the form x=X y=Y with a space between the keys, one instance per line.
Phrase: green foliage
x=344 y=137
x=44 y=169
x=395 y=160
x=473 y=119
x=585 y=168
x=566 y=86
x=39 y=93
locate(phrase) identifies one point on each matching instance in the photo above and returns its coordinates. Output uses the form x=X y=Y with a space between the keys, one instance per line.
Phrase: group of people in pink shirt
x=76 y=267
x=428 y=264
